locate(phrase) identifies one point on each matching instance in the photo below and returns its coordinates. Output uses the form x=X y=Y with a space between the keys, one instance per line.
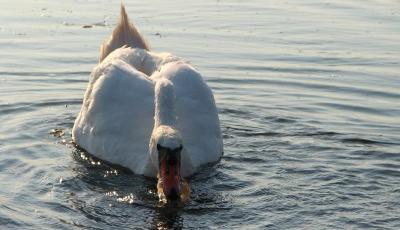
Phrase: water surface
x=308 y=97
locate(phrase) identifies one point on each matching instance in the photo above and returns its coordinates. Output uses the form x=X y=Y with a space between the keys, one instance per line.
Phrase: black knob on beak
x=173 y=194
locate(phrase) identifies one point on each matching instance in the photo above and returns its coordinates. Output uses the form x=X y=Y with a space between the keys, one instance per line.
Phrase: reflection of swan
x=150 y=112
x=167 y=217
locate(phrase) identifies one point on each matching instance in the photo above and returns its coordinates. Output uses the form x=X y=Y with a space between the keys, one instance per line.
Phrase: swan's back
x=116 y=118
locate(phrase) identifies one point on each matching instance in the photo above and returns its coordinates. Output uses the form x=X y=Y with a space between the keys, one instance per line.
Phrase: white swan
x=149 y=112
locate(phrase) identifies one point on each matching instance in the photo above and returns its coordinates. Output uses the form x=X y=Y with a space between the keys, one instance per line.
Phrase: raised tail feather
x=125 y=33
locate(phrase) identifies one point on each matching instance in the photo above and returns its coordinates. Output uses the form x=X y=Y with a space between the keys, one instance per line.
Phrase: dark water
x=309 y=100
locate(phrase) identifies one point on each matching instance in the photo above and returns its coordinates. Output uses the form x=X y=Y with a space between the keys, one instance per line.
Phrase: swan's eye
x=162 y=154
x=180 y=148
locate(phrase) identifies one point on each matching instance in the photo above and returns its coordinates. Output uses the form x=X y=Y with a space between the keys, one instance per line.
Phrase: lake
x=308 y=94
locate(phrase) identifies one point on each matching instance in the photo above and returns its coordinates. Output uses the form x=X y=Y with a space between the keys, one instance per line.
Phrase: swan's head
x=166 y=156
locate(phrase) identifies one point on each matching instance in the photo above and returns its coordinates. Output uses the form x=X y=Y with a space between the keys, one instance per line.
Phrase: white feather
x=118 y=118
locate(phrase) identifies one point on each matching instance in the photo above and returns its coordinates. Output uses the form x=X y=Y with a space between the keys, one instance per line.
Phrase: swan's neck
x=164 y=104
x=165 y=132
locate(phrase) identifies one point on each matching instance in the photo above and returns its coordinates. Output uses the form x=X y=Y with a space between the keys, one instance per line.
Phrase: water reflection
x=106 y=193
x=168 y=217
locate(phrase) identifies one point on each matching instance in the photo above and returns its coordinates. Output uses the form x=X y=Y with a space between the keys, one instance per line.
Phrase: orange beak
x=171 y=177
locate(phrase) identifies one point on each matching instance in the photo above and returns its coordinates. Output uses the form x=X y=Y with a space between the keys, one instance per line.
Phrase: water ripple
x=309 y=115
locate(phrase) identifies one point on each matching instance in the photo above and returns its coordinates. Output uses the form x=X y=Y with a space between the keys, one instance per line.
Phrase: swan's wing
x=117 y=115
x=196 y=112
